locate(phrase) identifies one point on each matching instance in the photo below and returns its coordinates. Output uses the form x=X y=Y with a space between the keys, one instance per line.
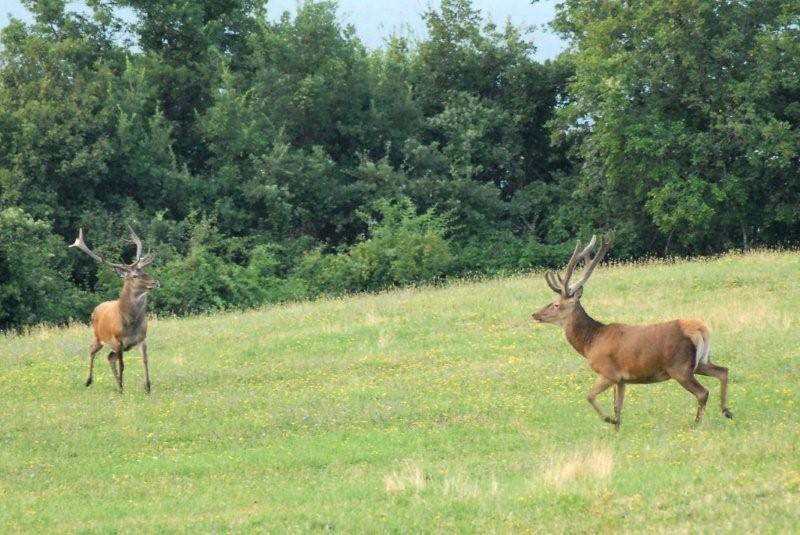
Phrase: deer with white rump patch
x=620 y=354
x=122 y=324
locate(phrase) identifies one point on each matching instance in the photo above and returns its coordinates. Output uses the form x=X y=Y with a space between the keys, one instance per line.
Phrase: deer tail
x=700 y=336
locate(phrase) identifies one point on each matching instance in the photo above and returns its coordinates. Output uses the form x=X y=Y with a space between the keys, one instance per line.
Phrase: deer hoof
x=727 y=413
x=88 y=381
x=147 y=388
x=612 y=421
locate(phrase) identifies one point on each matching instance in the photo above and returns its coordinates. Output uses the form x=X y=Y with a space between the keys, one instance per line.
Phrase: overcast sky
x=375 y=19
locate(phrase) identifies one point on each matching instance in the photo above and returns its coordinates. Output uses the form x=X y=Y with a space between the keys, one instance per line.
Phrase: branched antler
x=562 y=285
x=138 y=242
x=140 y=261
x=81 y=244
x=604 y=246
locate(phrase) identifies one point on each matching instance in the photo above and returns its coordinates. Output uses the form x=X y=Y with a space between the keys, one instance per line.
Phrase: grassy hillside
x=421 y=410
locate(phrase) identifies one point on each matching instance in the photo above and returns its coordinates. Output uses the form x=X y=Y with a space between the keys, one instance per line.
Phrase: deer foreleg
x=93 y=349
x=601 y=385
x=112 y=361
x=143 y=351
x=121 y=364
x=619 y=397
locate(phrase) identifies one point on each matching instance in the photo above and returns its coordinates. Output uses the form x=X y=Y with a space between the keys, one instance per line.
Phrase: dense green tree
x=34 y=274
x=185 y=46
x=487 y=104
x=396 y=114
x=82 y=132
x=272 y=158
x=310 y=78
x=285 y=130
x=57 y=121
x=684 y=109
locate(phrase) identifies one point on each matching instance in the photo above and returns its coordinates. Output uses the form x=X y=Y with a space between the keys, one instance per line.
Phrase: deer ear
x=578 y=293
x=121 y=271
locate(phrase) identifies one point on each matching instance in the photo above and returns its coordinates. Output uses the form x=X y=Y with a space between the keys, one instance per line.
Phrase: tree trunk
x=745 y=246
x=669 y=240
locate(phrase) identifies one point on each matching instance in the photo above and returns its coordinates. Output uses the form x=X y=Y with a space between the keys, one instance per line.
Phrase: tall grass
x=420 y=410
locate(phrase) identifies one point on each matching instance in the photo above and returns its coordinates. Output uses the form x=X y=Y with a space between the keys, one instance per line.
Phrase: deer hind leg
x=721 y=373
x=690 y=383
x=619 y=397
x=93 y=349
x=113 y=359
x=601 y=385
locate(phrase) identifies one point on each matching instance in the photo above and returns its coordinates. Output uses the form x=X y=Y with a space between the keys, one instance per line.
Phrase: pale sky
x=374 y=20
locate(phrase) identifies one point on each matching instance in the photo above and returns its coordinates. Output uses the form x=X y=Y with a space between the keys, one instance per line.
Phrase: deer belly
x=638 y=371
x=646 y=379
x=641 y=373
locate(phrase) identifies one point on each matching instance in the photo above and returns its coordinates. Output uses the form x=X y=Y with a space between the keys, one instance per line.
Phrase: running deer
x=122 y=324
x=622 y=354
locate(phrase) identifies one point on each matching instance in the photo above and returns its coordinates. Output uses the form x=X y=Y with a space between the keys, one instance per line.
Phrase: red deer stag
x=122 y=324
x=622 y=354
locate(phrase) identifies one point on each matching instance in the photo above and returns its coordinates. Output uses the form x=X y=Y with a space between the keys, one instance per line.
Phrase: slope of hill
x=439 y=409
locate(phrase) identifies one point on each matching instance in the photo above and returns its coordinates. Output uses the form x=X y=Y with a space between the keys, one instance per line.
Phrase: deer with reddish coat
x=122 y=324
x=623 y=354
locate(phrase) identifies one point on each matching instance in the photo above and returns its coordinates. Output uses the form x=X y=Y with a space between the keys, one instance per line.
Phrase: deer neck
x=581 y=329
x=132 y=307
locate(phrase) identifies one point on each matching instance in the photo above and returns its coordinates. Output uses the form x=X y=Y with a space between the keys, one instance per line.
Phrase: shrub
x=202 y=282
x=502 y=251
x=34 y=284
x=403 y=247
x=331 y=274
x=264 y=275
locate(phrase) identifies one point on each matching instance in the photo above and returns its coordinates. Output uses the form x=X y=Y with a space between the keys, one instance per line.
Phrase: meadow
x=418 y=410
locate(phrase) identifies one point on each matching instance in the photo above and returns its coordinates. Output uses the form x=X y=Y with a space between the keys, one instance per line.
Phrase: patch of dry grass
x=595 y=464
x=460 y=487
x=410 y=476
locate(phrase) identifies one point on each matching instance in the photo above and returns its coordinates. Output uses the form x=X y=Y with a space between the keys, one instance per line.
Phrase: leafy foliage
x=684 y=110
x=403 y=248
x=34 y=283
x=266 y=159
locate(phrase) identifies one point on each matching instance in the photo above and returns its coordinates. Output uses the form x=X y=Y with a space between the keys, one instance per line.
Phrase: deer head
x=569 y=295
x=133 y=274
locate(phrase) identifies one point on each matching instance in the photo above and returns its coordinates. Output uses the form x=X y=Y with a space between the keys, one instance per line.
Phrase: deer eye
x=556 y=305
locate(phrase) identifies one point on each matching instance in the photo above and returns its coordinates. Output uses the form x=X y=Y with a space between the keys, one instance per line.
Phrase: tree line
x=275 y=159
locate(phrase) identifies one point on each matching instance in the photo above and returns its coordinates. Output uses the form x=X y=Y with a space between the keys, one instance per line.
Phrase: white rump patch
x=703 y=349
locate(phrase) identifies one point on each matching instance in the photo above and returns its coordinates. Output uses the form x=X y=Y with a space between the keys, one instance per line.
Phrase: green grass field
x=422 y=410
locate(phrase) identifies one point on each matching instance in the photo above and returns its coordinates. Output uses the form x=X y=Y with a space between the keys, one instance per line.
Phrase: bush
x=326 y=274
x=403 y=247
x=536 y=254
x=202 y=282
x=34 y=283
x=496 y=252
x=263 y=273
x=489 y=252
